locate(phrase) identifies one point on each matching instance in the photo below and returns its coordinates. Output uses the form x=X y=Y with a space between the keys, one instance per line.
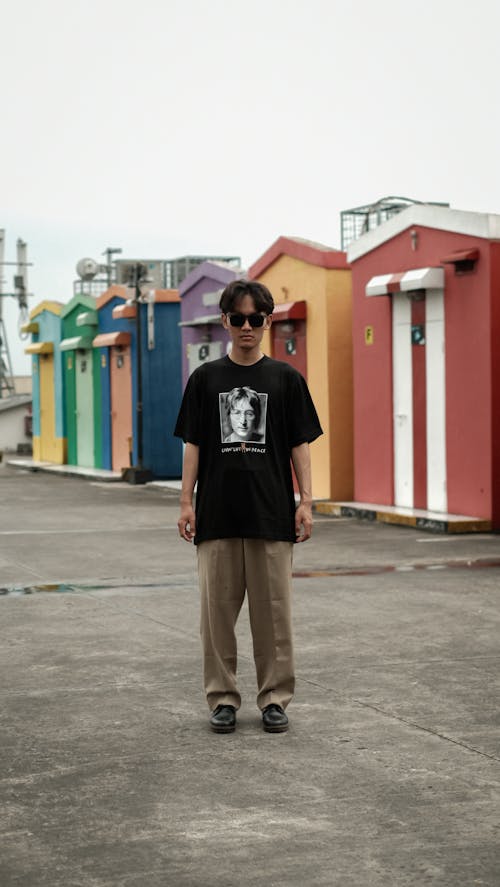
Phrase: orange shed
x=312 y=330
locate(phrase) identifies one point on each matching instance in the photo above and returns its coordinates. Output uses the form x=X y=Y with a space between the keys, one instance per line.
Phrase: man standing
x=246 y=519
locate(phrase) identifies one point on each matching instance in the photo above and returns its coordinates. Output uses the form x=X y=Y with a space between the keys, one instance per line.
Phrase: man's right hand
x=187 y=523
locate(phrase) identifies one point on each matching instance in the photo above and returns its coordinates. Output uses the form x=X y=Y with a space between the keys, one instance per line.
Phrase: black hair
x=237 y=289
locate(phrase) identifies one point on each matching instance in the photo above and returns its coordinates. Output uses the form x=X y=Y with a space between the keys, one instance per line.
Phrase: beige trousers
x=227 y=568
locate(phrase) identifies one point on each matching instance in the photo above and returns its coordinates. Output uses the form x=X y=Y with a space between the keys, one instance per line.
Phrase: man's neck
x=245 y=358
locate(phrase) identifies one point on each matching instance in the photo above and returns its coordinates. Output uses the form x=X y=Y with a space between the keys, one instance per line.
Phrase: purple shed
x=203 y=337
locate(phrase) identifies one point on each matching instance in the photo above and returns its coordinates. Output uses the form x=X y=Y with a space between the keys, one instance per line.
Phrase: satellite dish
x=87 y=269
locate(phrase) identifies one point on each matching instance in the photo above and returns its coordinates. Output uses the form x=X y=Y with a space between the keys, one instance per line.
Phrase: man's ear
x=268 y=321
x=225 y=322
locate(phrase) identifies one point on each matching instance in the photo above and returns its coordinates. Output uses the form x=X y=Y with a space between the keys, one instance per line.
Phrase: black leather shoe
x=274 y=719
x=223 y=719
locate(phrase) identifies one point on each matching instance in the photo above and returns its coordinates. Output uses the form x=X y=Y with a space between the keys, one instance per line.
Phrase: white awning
x=417 y=279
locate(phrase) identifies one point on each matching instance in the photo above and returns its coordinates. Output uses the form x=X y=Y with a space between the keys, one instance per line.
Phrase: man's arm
x=303 y=515
x=187 y=520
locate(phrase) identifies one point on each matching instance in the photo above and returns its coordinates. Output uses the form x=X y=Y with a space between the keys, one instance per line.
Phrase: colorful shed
x=160 y=380
x=203 y=336
x=161 y=384
x=311 y=286
x=114 y=344
x=81 y=382
x=49 y=437
x=426 y=326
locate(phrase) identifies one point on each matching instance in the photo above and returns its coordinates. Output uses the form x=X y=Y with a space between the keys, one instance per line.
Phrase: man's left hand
x=303 y=523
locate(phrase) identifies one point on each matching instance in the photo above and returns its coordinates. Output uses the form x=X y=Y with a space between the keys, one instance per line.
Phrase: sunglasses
x=238 y=319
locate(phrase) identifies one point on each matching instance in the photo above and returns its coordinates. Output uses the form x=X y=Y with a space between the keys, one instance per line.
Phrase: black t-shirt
x=245 y=420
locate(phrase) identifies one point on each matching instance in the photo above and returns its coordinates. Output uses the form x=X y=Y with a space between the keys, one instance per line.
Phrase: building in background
x=49 y=435
x=22 y=384
x=82 y=387
x=312 y=330
x=203 y=336
x=95 y=278
x=15 y=424
x=170 y=273
x=124 y=443
x=426 y=325
x=114 y=343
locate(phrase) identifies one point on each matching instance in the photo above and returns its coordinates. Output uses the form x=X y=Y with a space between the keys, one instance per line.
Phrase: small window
x=464 y=266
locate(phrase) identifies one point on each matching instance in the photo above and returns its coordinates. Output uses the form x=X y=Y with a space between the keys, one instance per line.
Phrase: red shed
x=426 y=326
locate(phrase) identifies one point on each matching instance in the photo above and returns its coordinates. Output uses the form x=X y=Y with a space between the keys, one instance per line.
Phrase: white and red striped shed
x=426 y=328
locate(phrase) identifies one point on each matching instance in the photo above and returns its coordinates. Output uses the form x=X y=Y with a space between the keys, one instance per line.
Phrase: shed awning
x=40 y=348
x=79 y=343
x=416 y=279
x=121 y=311
x=461 y=255
x=106 y=340
x=290 y=311
x=87 y=318
x=207 y=319
x=31 y=327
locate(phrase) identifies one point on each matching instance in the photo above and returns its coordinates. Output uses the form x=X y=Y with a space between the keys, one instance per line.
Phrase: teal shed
x=81 y=382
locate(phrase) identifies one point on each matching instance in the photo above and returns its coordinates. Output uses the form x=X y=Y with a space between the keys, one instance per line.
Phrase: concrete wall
x=12 y=427
x=23 y=384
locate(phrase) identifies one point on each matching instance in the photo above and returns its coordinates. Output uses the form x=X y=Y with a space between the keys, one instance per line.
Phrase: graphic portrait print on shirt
x=243 y=415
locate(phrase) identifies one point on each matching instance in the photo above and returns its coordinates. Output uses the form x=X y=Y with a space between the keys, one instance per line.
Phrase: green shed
x=82 y=382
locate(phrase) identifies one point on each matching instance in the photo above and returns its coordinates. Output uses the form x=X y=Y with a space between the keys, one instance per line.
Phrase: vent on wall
x=463 y=260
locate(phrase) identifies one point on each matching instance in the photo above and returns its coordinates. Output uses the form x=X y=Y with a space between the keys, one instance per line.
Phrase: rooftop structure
x=163 y=273
x=357 y=221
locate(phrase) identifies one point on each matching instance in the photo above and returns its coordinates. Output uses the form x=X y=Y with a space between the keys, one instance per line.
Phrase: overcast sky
x=168 y=127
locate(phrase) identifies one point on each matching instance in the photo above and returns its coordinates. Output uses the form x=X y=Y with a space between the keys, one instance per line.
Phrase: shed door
x=402 y=400
x=437 y=496
x=121 y=406
x=84 y=408
x=47 y=409
x=289 y=343
x=70 y=405
x=419 y=400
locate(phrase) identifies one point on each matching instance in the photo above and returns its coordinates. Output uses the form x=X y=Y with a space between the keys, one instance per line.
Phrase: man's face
x=242 y=417
x=246 y=337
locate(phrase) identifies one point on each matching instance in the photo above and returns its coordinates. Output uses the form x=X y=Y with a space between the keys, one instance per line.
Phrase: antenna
x=87 y=269
x=95 y=277
x=109 y=252
x=21 y=294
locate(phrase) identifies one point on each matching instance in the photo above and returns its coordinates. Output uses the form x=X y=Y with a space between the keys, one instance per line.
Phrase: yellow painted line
x=403 y=520
x=469 y=526
x=327 y=508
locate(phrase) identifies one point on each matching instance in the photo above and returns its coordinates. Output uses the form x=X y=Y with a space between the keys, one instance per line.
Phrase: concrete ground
x=389 y=775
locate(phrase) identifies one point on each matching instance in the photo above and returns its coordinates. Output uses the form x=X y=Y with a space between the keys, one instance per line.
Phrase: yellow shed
x=49 y=435
x=312 y=330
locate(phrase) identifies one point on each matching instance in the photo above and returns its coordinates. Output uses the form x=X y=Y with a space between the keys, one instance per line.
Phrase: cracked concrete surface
x=389 y=775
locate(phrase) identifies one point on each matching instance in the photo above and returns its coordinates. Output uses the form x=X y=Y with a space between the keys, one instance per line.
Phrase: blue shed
x=161 y=383
x=161 y=380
